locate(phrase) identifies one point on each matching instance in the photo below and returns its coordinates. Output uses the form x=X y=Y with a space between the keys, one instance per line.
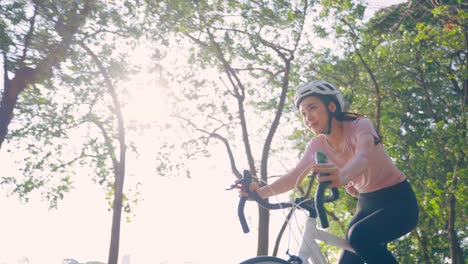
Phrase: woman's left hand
x=332 y=170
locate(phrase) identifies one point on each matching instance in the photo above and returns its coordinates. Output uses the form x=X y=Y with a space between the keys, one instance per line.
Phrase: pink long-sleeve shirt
x=381 y=171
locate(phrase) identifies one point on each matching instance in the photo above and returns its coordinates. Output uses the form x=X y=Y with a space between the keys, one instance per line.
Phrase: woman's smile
x=313 y=125
x=314 y=113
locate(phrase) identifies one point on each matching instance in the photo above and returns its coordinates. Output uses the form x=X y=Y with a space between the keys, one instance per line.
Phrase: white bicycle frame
x=309 y=251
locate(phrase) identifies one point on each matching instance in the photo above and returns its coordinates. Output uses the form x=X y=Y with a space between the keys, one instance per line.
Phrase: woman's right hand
x=253 y=187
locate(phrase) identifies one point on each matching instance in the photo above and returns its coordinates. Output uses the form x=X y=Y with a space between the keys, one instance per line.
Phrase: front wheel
x=265 y=260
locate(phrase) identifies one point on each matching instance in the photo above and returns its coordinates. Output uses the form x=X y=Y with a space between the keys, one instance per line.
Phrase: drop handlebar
x=318 y=203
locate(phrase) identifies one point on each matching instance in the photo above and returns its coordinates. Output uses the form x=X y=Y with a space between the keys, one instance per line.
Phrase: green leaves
x=55 y=120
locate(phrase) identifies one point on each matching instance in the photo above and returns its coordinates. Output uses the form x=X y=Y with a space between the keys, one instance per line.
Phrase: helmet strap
x=331 y=114
x=330 y=119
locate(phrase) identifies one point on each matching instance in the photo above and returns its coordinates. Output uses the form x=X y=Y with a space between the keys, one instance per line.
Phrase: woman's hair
x=341 y=115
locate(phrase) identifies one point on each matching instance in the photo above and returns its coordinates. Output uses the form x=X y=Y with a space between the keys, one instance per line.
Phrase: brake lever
x=237 y=185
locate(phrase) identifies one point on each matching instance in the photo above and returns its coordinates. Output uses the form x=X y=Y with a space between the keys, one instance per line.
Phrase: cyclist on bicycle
x=386 y=208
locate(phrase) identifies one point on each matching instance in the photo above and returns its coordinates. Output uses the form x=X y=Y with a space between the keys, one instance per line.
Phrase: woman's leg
x=378 y=221
x=348 y=257
x=368 y=235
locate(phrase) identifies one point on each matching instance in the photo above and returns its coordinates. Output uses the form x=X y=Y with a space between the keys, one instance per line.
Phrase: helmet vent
x=321 y=88
x=318 y=87
x=329 y=87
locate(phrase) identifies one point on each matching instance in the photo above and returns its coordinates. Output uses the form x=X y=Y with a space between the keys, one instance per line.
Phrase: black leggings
x=381 y=216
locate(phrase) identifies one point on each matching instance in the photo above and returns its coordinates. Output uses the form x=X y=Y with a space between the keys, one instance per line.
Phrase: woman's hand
x=253 y=187
x=332 y=170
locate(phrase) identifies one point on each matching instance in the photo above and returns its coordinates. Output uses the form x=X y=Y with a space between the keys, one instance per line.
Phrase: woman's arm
x=286 y=182
x=356 y=166
x=359 y=162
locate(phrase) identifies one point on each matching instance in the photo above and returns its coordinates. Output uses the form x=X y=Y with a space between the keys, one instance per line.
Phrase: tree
x=57 y=56
x=254 y=45
x=66 y=19
x=116 y=155
x=430 y=60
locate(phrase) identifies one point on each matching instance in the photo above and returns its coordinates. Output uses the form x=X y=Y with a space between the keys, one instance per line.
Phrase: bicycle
x=309 y=251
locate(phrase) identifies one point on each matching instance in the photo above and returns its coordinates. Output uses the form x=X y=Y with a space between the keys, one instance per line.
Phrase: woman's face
x=314 y=114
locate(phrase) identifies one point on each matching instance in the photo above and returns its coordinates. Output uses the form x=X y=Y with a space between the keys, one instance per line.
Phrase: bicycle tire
x=265 y=260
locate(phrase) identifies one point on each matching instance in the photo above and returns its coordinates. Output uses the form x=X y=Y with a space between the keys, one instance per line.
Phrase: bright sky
x=180 y=220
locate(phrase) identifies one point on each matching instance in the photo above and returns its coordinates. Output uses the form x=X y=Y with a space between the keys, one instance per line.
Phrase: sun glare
x=147 y=101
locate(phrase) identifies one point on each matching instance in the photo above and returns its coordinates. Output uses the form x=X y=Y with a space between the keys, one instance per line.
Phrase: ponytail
x=348 y=116
x=340 y=115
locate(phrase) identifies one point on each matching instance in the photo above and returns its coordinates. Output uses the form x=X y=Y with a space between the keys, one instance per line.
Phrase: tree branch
x=279 y=111
x=27 y=38
x=108 y=143
x=276 y=48
x=281 y=232
x=371 y=74
x=213 y=134
x=240 y=96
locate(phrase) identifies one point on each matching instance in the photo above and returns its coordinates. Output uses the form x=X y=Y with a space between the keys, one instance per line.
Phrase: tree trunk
x=13 y=88
x=263 y=228
x=456 y=253
x=116 y=216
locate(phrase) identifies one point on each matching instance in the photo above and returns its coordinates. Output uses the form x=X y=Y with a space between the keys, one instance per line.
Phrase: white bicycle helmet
x=318 y=87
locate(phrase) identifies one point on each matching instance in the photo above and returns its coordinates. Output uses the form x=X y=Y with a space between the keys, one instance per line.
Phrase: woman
x=386 y=207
